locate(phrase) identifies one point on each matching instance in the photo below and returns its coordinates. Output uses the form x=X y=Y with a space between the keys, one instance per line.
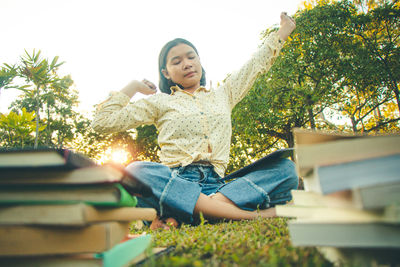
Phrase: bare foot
x=166 y=224
x=131 y=236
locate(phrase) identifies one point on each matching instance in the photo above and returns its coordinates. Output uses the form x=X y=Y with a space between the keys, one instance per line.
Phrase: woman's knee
x=138 y=168
x=137 y=165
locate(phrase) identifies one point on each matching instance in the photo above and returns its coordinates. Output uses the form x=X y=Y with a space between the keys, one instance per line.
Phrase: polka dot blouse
x=192 y=127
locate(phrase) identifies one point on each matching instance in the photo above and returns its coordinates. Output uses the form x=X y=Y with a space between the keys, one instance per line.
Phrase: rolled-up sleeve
x=117 y=113
x=240 y=82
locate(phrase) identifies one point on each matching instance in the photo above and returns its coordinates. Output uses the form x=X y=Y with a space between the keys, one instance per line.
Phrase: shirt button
x=201 y=113
x=205 y=136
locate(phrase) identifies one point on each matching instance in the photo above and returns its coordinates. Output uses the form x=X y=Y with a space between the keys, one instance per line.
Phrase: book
x=70 y=214
x=46 y=158
x=366 y=198
x=361 y=256
x=98 y=195
x=378 y=196
x=355 y=174
x=342 y=150
x=19 y=240
x=146 y=256
x=278 y=154
x=96 y=174
x=123 y=254
x=339 y=215
x=342 y=199
x=308 y=136
x=344 y=235
x=91 y=174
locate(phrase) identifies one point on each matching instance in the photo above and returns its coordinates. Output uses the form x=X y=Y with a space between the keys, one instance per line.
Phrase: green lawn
x=261 y=242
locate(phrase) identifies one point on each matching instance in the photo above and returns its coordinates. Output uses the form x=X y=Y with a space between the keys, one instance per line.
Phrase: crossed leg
x=216 y=206
x=219 y=206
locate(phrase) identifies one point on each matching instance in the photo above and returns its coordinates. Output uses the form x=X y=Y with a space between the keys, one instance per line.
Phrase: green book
x=122 y=254
x=113 y=195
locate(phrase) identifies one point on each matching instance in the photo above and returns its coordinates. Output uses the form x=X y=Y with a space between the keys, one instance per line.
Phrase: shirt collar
x=176 y=88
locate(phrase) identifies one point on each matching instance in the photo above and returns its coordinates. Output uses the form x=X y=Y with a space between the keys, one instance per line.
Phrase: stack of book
x=350 y=207
x=58 y=208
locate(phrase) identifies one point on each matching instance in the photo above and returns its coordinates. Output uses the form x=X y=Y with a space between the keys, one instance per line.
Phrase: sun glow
x=118 y=155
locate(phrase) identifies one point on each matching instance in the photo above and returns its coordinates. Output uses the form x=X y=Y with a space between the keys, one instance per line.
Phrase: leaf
x=54 y=62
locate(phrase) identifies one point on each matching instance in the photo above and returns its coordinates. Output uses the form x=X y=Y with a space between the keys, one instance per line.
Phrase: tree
x=58 y=101
x=379 y=32
x=38 y=74
x=371 y=66
x=299 y=86
x=16 y=129
x=49 y=95
x=338 y=59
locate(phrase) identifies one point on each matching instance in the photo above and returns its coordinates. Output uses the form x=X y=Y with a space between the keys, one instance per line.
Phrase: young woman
x=194 y=126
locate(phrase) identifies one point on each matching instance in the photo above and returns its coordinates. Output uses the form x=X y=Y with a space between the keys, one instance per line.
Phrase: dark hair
x=165 y=84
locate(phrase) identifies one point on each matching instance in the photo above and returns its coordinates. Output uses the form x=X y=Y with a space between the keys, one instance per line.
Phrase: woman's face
x=183 y=67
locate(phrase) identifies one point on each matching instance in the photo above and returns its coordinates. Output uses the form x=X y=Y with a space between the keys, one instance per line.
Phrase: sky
x=107 y=44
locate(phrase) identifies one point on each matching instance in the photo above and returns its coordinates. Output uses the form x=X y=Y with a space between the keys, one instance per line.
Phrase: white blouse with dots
x=192 y=127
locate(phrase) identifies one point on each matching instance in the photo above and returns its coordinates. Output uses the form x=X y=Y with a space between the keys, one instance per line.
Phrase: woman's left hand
x=288 y=24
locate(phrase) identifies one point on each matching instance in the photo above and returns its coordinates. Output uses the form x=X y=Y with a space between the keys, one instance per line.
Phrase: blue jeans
x=176 y=190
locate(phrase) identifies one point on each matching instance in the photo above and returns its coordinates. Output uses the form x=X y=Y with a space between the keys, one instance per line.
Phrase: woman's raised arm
x=145 y=87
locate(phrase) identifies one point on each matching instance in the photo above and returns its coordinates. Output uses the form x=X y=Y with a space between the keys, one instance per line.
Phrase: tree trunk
x=396 y=93
x=354 y=124
x=48 y=139
x=311 y=118
x=37 y=118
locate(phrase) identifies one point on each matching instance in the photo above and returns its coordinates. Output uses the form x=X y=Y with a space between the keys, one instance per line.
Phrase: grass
x=260 y=242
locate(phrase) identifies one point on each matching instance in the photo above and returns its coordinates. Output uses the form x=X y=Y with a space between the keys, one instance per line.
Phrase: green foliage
x=48 y=95
x=373 y=71
x=260 y=242
x=7 y=74
x=16 y=130
x=146 y=145
x=140 y=143
x=57 y=108
x=39 y=75
x=339 y=61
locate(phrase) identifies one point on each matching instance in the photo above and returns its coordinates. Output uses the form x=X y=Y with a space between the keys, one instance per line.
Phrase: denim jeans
x=176 y=190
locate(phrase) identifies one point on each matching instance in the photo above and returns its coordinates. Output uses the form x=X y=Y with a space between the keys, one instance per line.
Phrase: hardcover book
x=113 y=195
x=339 y=215
x=17 y=240
x=70 y=214
x=94 y=174
x=354 y=174
x=29 y=158
x=344 y=235
x=123 y=254
x=341 y=150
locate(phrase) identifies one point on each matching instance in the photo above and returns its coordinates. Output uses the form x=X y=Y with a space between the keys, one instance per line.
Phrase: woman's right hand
x=288 y=25
x=145 y=87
